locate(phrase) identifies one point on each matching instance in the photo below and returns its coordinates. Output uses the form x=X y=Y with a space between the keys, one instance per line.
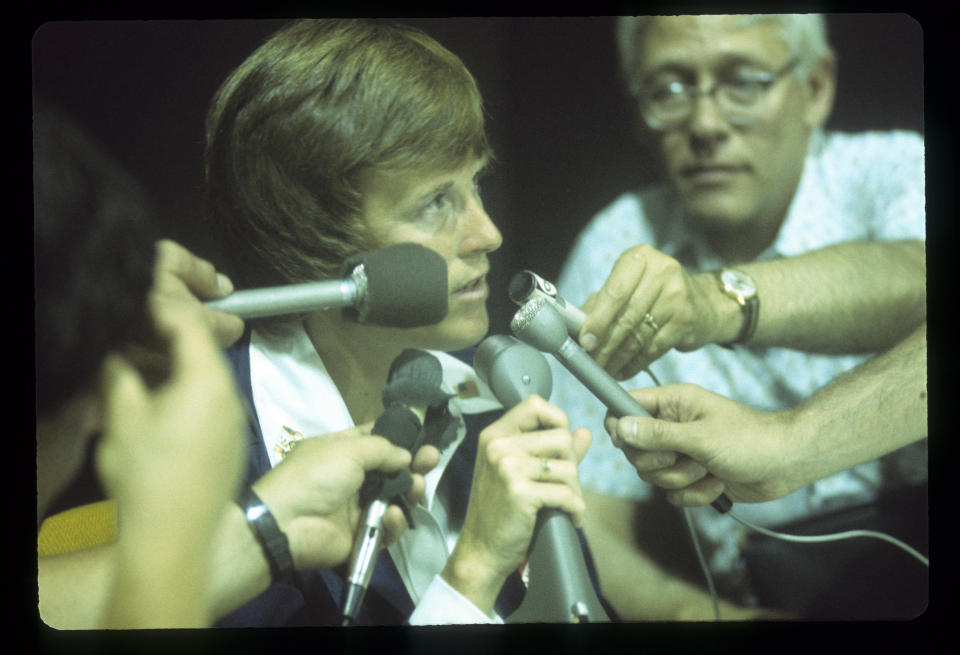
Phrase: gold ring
x=651 y=321
x=544 y=469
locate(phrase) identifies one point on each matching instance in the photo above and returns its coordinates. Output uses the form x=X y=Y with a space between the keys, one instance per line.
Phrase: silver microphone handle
x=289 y=299
x=598 y=381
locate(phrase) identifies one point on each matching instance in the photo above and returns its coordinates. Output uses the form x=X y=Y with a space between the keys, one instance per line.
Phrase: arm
x=310 y=493
x=851 y=297
x=865 y=414
x=634 y=583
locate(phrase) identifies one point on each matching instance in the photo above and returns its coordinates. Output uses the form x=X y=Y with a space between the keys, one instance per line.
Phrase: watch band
x=751 y=312
x=276 y=548
x=749 y=306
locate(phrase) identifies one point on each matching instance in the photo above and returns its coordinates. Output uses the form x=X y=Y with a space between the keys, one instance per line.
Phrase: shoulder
x=872 y=153
x=629 y=219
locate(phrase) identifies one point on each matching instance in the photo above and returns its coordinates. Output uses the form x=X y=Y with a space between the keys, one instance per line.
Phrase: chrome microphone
x=527 y=285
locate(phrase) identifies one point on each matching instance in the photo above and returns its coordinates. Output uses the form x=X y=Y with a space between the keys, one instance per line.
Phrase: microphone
x=560 y=588
x=403 y=285
x=413 y=387
x=527 y=285
x=537 y=323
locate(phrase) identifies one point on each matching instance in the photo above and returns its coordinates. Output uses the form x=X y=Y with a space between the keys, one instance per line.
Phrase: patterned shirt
x=853 y=188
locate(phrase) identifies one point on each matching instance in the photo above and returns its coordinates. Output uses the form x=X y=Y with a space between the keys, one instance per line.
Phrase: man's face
x=729 y=177
x=442 y=211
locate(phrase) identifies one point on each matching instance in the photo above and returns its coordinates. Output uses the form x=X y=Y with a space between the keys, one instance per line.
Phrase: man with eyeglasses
x=774 y=256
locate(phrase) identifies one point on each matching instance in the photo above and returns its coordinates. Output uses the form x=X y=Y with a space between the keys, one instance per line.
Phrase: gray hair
x=804 y=34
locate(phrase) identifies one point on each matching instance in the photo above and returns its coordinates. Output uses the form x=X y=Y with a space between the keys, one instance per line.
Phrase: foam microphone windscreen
x=406 y=286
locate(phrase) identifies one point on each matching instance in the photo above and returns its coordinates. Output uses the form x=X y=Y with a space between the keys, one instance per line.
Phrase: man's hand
x=180 y=277
x=170 y=452
x=313 y=492
x=526 y=461
x=725 y=446
x=648 y=305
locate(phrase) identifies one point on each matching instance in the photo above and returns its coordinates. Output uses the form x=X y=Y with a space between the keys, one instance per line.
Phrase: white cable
x=850 y=534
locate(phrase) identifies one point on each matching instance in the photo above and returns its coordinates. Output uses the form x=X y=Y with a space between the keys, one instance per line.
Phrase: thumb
x=651 y=434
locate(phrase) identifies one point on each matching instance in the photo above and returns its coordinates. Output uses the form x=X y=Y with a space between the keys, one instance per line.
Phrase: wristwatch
x=743 y=290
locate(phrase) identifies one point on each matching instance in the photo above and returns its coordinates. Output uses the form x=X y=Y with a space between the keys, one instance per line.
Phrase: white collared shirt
x=293 y=393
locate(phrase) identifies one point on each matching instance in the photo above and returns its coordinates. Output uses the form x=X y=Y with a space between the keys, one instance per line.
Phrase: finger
x=582 y=438
x=198 y=274
x=562 y=497
x=227 y=328
x=554 y=444
x=417 y=489
x=375 y=453
x=700 y=493
x=682 y=474
x=425 y=459
x=546 y=469
x=394 y=524
x=533 y=413
x=607 y=302
x=122 y=388
x=631 y=334
x=612 y=300
x=649 y=461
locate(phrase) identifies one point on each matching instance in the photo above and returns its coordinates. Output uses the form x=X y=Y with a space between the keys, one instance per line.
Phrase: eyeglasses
x=667 y=106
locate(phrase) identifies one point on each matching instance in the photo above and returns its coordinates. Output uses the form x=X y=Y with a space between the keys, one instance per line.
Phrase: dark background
x=561 y=127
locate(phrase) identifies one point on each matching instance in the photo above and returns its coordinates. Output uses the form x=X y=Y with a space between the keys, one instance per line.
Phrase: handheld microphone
x=403 y=285
x=560 y=588
x=540 y=325
x=527 y=285
x=413 y=386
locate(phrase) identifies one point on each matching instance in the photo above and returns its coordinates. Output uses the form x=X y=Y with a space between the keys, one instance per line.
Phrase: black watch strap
x=272 y=540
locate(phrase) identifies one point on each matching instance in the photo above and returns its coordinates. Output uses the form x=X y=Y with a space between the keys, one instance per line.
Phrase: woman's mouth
x=476 y=288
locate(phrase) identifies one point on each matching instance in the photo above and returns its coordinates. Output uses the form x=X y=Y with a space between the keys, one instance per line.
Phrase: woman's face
x=444 y=212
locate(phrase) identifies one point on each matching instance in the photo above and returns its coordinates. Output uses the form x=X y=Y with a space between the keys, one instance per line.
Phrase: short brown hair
x=292 y=131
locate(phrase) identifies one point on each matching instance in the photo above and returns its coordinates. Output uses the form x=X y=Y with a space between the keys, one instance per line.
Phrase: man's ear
x=821 y=87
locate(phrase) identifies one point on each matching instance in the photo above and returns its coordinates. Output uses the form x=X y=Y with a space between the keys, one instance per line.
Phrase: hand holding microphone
x=538 y=324
x=560 y=586
x=413 y=389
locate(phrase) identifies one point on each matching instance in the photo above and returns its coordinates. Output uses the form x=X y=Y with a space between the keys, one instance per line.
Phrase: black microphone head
x=521 y=286
x=415 y=379
x=512 y=369
x=399 y=425
x=406 y=286
x=539 y=324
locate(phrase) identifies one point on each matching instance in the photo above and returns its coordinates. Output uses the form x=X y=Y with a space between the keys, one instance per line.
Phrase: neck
x=357 y=357
x=739 y=246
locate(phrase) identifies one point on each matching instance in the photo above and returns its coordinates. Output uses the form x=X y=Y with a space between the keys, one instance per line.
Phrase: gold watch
x=743 y=290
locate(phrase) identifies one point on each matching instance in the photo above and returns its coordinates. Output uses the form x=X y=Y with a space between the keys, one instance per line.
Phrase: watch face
x=738 y=283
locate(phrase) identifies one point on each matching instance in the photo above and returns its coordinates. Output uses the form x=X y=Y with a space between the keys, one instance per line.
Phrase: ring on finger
x=544 y=469
x=651 y=321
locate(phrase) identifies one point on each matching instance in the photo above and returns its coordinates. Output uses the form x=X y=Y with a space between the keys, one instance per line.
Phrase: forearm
x=637 y=587
x=865 y=414
x=240 y=571
x=852 y=297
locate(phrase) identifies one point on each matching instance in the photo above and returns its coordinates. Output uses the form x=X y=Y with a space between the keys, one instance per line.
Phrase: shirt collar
x=292 y=390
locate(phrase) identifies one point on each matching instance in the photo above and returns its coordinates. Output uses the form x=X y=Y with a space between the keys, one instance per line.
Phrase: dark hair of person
x=93 y=258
